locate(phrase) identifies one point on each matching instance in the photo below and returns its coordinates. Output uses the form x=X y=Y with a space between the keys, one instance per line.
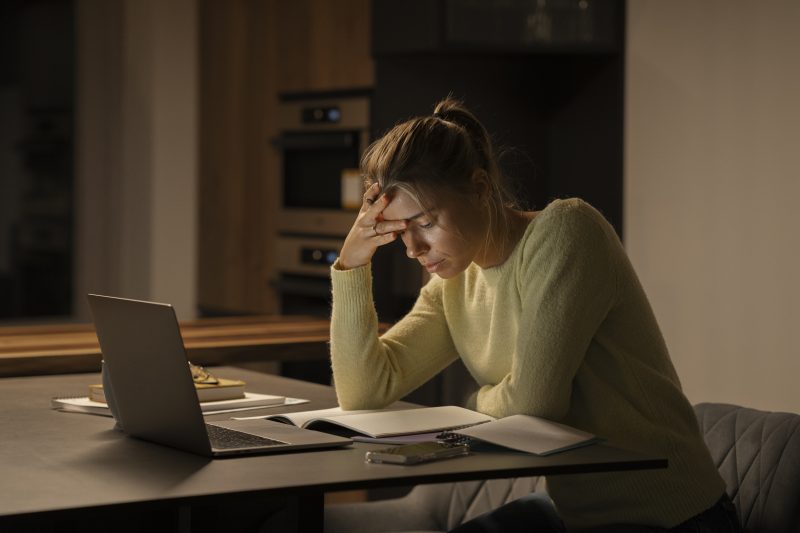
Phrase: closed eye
x=427 y=225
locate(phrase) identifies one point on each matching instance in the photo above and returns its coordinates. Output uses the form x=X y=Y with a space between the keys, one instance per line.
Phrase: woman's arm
x=567 y=286
x=369 y=371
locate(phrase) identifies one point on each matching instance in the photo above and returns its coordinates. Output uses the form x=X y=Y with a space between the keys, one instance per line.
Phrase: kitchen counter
x=73 y=348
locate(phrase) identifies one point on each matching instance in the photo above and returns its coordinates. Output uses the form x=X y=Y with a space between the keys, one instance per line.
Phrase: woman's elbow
x=353 y=400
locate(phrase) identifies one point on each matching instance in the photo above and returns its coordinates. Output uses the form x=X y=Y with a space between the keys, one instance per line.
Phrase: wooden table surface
x=71 y=348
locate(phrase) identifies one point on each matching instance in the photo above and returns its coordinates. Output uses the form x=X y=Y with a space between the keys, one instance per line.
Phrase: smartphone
x=411 y=454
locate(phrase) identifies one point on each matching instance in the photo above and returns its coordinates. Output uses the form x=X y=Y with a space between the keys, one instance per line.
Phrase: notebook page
x=530 y=434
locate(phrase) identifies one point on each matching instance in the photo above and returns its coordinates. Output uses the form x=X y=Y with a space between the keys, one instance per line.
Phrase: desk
x=68 y=466
x=68 y=348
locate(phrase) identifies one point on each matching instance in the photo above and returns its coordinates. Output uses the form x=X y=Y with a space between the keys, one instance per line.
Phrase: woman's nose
x=414 y=246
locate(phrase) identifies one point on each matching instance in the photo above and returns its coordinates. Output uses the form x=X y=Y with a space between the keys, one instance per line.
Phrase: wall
x=136 y=155
x=175 y=155
x=712 y=185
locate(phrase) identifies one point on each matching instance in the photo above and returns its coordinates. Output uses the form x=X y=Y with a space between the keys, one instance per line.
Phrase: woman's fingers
x=370 y=196
x=373 y=212
x=386 y=238
x=370 y=230
x=383 y=227
x=372 y=209
x=374 y=204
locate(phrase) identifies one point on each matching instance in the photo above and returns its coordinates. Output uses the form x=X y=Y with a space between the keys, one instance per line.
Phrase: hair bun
x=448 y=108
x=445 y=117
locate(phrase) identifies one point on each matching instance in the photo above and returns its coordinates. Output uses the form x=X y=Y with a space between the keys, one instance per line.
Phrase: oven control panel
x=318 y=256
x=307 y=256
x=321 y=115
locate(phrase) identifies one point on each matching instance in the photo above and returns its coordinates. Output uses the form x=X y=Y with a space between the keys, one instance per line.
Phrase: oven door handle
x=305 y=141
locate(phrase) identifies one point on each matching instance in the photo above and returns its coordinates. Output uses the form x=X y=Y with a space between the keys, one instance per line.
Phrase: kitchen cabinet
x=323 y=45
x=509 y=27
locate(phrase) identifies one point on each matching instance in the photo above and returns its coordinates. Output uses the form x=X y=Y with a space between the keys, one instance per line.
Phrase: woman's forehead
x=402 y=207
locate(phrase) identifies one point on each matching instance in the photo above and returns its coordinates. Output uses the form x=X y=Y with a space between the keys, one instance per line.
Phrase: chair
x=757 y=454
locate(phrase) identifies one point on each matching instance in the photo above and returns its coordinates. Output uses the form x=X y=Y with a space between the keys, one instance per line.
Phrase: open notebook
x=384 y=422
x=523 y=433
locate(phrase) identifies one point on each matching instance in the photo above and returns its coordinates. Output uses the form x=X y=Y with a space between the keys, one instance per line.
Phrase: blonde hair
x=428 y=156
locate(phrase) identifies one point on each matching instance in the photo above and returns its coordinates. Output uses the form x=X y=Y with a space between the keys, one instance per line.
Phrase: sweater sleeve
x=369 y=371
x=567 y=285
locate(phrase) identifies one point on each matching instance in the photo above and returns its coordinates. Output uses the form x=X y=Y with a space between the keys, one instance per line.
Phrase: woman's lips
x=433 y=267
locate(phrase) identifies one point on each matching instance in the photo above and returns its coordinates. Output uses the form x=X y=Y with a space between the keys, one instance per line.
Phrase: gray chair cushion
x=758 y=455
x=428 y=508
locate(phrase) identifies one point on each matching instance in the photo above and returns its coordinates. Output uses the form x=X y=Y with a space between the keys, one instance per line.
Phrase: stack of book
x=223 y=389
x=214 y=395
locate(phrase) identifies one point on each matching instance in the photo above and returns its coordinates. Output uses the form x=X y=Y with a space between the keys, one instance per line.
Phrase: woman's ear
x=481 y=186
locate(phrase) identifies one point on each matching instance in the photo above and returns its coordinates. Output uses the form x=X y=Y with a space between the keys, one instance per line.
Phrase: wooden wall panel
x=238 y=167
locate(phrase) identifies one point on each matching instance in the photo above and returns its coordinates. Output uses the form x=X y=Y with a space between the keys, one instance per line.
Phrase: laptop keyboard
x=228 y=439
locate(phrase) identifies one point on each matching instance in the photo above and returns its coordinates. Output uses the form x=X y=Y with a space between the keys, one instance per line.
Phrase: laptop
x=154 y=393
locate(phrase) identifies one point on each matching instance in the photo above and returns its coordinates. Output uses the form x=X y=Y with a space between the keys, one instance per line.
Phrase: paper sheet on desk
x=85 y=405
x=287 y=401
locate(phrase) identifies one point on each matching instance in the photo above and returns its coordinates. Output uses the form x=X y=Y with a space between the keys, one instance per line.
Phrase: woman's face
x=446 y=240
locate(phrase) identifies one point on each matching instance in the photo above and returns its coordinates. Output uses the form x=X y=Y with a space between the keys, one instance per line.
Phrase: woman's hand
x=369 y=230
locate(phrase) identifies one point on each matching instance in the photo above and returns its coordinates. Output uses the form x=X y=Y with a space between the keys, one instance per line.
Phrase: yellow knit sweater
x=561 y=330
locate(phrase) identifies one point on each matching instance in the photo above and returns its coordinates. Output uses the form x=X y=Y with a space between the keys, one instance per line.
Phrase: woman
x=546 y=313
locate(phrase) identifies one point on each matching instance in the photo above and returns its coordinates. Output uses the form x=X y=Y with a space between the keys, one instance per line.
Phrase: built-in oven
x=322 y=138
